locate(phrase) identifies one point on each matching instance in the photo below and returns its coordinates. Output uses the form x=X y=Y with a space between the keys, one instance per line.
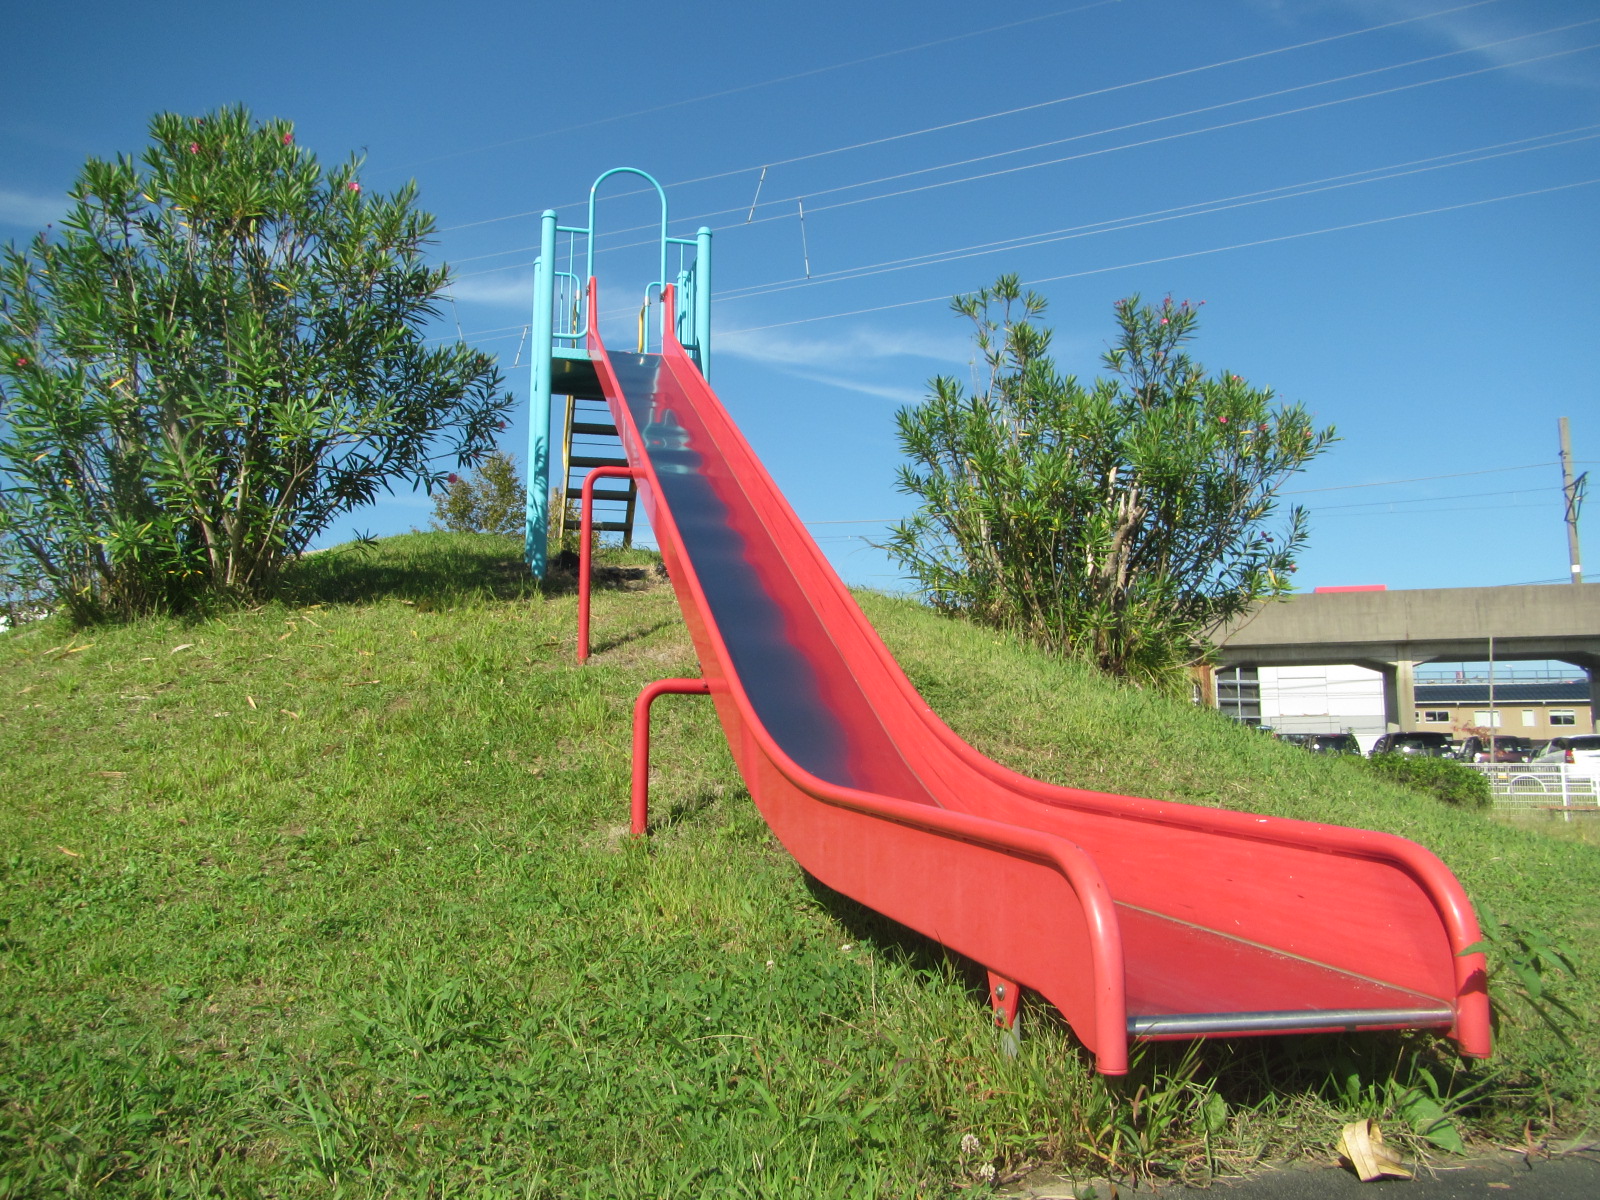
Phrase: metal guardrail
x=1526 y=787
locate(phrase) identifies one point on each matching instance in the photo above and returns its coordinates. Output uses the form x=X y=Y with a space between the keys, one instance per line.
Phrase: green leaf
x=1429 y=1121
x=1214 y=1113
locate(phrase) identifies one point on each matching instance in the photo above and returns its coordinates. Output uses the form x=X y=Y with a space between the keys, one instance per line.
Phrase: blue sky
x=1389 y=206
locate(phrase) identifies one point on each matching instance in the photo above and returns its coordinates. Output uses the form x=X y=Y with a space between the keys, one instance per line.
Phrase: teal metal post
x=542 y=336
x=702 y=298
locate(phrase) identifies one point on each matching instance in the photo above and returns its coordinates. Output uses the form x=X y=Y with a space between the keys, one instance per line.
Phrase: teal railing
x=562 y=320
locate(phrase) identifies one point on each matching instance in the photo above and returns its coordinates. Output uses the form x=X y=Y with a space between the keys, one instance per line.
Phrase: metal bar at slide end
x=639 y=799
x=585 y=549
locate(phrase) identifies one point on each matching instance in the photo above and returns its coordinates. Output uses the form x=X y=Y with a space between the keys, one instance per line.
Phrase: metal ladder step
x=584 y=460
x=589 y=418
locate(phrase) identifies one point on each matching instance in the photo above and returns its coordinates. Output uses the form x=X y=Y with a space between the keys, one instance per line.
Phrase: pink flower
x=454 y=478
x=1163 y=320
x=1224 y=420
x=194 y=147
x=1235 y=378
x=22 y=362
x=353 y=186
x=288 y=139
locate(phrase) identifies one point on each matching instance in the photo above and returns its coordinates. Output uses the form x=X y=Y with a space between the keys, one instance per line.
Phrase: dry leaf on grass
x=183 y=646
x=70 y=648
x=1361 y=1145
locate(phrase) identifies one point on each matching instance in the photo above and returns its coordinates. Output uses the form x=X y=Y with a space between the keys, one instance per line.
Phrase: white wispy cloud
x=501 y=291
x=1472 y=29
x=900 y=395
x=28 y=211
x=855 y=347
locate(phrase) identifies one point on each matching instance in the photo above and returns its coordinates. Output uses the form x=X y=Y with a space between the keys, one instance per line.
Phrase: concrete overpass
x=1392 y=632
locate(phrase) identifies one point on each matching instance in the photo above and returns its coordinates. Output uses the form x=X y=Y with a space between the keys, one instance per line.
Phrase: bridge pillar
x=1590 y=665
x=1594 y=699
x=1399 y=691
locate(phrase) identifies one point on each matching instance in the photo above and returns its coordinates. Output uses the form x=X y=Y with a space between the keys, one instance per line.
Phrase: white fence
x=1526 y=787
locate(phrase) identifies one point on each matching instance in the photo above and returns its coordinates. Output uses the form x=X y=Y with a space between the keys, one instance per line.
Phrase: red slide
x=1135 y=918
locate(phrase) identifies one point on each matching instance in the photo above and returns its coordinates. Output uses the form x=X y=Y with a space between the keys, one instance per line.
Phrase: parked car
x=1324 y=743
x=1430 y=745
x=1506 y=750
x=1581 y=753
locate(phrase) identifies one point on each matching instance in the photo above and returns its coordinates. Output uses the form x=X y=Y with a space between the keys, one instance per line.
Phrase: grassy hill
x=334 y=895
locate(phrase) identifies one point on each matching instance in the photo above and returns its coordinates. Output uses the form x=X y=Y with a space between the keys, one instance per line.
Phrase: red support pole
x=1005 y=998
x=641 y=741
x=585 y=539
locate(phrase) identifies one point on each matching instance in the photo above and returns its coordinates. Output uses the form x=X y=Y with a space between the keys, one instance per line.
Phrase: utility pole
x=1494 y=716
x=1572 y=492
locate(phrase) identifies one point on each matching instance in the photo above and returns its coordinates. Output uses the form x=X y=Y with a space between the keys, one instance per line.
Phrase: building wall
x=1535 y=719
x=1323 y=699
x=1349 y=699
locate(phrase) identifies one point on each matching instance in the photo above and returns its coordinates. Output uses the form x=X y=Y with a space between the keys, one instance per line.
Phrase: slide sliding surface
x=1136 y=918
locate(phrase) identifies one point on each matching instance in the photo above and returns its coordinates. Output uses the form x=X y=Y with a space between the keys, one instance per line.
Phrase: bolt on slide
x=1137 y=919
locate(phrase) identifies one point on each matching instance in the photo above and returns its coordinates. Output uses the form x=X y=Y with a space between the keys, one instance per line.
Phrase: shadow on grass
x=686 y=810
x=597 y=646
x=899 y=941
x=445 y=569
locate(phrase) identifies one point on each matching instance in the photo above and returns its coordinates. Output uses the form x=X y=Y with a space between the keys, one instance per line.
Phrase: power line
x=1339 y=488
x=1288 y=237
x=1121 y=224
x=988 y=116
x=1425 y=512
x=1432 y=499
x=1010 y=112
x=1345 y=487
x=750 y=87
x=1179 y=212
x=1166 y=137
x=784 y=215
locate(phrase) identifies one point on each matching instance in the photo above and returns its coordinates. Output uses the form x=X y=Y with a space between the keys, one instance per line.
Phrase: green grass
x=333 y=897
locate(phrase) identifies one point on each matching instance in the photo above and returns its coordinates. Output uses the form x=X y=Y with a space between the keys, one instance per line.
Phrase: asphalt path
x=1574 y=1176
x=1570 y=1177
